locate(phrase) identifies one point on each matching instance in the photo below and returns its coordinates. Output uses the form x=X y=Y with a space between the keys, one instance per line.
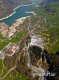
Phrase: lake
x=20 y=12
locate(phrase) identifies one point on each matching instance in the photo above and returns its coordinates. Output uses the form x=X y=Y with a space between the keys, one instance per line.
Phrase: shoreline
x=19 y=21
x=31 y=12
x=22 y=18
x=8 y=16
x=14 y=11
x=22 y=5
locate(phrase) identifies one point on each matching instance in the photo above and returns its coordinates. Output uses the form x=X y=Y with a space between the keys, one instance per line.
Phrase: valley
x=29 y=46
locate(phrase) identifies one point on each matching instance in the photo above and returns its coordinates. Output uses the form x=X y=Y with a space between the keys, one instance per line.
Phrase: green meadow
x=15 y=39
x=47 y=25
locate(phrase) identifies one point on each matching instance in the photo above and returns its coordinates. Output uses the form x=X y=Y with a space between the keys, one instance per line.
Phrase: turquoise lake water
x=20 y=12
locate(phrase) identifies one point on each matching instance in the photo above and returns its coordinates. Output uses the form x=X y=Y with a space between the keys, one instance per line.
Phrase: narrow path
x=8 y=72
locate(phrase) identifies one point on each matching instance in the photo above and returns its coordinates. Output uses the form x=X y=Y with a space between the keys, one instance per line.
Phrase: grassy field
x=12 y=75
x=18 y=36
x=4 y=42
x=17 y=76
x=1 y=66
x=47 y=25
x=15 y=39
x=1 y=36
